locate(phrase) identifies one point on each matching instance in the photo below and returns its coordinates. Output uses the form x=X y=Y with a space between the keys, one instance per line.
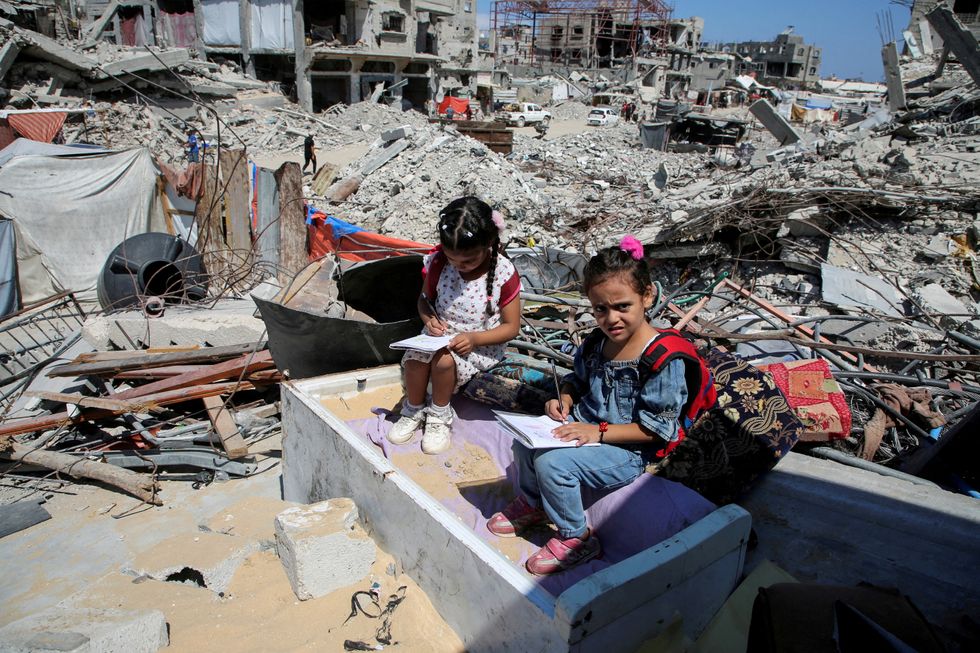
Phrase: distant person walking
x=309 y=153
x=193 y=147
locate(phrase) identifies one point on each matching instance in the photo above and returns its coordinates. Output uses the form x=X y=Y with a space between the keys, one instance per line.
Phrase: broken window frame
x=393 y=22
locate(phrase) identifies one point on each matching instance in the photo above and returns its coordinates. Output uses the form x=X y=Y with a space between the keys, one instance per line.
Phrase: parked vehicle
x=602 y=116
x=523 y=113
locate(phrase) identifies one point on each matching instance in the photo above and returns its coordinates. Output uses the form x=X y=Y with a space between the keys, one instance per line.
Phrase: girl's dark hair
x=613 y=260
x=466 y=223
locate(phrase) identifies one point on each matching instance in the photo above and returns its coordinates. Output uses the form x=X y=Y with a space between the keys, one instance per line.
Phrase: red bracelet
x=603 y=427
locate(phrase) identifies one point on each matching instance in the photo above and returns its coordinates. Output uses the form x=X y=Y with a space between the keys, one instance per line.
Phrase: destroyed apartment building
x=331 y=52
x=199 y=343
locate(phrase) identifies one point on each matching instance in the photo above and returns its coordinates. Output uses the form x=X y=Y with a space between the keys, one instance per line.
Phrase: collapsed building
x=330 y=52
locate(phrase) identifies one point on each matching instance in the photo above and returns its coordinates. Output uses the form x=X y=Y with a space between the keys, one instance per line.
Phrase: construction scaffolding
x=580 y=33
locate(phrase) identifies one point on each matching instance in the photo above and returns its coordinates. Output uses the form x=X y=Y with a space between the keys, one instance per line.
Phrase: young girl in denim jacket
x=602 y=401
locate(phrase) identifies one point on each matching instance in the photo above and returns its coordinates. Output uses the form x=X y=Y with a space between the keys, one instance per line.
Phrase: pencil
x=554 y=375
x=431 y=307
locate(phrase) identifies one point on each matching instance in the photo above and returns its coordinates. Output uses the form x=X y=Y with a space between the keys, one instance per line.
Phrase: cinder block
x=78 y=630
x=322 y=548
x=399 y=132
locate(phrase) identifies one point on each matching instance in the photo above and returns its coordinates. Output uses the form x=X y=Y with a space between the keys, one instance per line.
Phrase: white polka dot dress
x=463 y=306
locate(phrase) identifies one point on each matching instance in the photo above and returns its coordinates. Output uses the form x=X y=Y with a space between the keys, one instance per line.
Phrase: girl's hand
x=558 y=409
x=581 y=432
x=435 y=327
x=462 y=344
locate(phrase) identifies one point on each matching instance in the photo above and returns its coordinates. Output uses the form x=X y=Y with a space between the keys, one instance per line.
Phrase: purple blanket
x=477 y=477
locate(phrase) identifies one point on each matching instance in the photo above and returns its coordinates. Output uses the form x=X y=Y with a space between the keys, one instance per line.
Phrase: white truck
x=523 y=113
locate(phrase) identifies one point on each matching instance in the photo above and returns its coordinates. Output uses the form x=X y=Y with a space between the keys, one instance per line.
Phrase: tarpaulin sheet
x=38 y=126
x=272 y=24
x=70 y=212
x=134 y=32
x=807 y=116
x=25 y=146
x=9 y=294
x=177 y=30
x=327 y=234
x=459 y=105
x=221 y=26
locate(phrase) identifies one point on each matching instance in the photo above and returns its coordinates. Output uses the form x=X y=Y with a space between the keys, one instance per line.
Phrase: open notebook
x=423 y=342
x=533 y=431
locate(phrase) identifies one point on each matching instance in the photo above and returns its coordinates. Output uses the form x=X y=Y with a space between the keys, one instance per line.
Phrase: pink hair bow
x=632 y=246
x=498 y=220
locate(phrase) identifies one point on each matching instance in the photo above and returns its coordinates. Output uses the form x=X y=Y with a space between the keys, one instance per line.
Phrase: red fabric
x=814 y=396
x=7 y=133
x=459 y=105
x=38 y=126
x=128 y=28
x=360 y=246
x=188 y=182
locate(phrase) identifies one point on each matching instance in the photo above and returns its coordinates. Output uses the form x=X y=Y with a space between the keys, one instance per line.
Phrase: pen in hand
x=561 y=404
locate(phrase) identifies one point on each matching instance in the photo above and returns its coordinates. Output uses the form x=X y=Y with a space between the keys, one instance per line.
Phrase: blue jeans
x=552 y=479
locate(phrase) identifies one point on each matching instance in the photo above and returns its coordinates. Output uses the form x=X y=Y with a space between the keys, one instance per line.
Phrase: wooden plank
x=227 y=370
x=88 y=402
x=225 y=427
x=153 y=373
x=238 y=226
x=292 y=220
x=97 y=356
x=140 y=360
x=210 y=227
x=16 y=427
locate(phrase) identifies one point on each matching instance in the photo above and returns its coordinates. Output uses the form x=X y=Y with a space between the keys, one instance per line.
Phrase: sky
x=846 y=30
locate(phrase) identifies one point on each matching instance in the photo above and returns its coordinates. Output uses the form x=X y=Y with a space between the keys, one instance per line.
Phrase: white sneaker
x=404 y=429
x=438 y=432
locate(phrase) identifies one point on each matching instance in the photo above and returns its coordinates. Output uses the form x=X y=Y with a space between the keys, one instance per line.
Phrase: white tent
x=69 y=212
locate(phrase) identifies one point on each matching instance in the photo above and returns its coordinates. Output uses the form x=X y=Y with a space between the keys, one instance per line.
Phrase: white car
x=600 y=116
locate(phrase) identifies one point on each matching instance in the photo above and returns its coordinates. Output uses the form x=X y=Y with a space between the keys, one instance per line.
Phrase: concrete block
x=229 y=322
x=775 y=123
x=849 y=289
x=384 y=155
x=934 y=299
x=77 y=630
x=322 y=547
x=405 y=131
x=208 y=560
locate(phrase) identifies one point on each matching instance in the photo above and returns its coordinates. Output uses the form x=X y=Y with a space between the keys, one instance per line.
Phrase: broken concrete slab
x=388 y=152
x=939 y=247
x=8 y=54
x=208 y=560
x=405 y=131
x=148 y=62
x=854 y=290
x=958 y=39
x=323 y=548
x=775 y=123
x=860 y=253
x=228 y=322
x=77 y=630
x=47 y=49
x=859 y=333
x=936 y=300
x=805 y=222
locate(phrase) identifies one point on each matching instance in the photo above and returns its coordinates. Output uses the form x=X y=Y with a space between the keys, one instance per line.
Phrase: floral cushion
x=742 y=437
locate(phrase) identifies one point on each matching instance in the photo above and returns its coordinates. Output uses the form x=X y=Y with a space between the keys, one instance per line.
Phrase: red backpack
x=701 y=394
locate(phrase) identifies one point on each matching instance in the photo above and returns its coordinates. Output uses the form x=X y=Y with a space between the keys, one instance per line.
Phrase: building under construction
x=579 y=33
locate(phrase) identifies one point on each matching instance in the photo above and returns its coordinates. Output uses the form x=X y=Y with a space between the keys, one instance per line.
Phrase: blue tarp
x=9 y=291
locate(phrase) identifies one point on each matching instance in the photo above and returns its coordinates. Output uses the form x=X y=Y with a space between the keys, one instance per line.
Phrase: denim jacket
x=608 y=392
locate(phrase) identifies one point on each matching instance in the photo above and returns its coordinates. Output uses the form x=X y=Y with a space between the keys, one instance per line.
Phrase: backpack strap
x=431 y=282
x=670 y=345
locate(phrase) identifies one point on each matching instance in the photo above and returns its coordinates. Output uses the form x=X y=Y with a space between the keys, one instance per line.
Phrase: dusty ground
x=81 y=556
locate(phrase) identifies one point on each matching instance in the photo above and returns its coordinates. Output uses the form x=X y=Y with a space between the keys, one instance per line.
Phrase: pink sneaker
x=517 y=516
x=559 y=555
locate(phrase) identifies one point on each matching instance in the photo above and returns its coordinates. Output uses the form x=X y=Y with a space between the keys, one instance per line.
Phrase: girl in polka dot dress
x=471 y=293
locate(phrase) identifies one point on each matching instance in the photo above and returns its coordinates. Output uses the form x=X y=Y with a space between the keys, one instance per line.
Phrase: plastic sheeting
x=70 y=212
x=272 y=24
x=9 y=293
x=221 y=25
x=25 y=146
x=177 y=30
